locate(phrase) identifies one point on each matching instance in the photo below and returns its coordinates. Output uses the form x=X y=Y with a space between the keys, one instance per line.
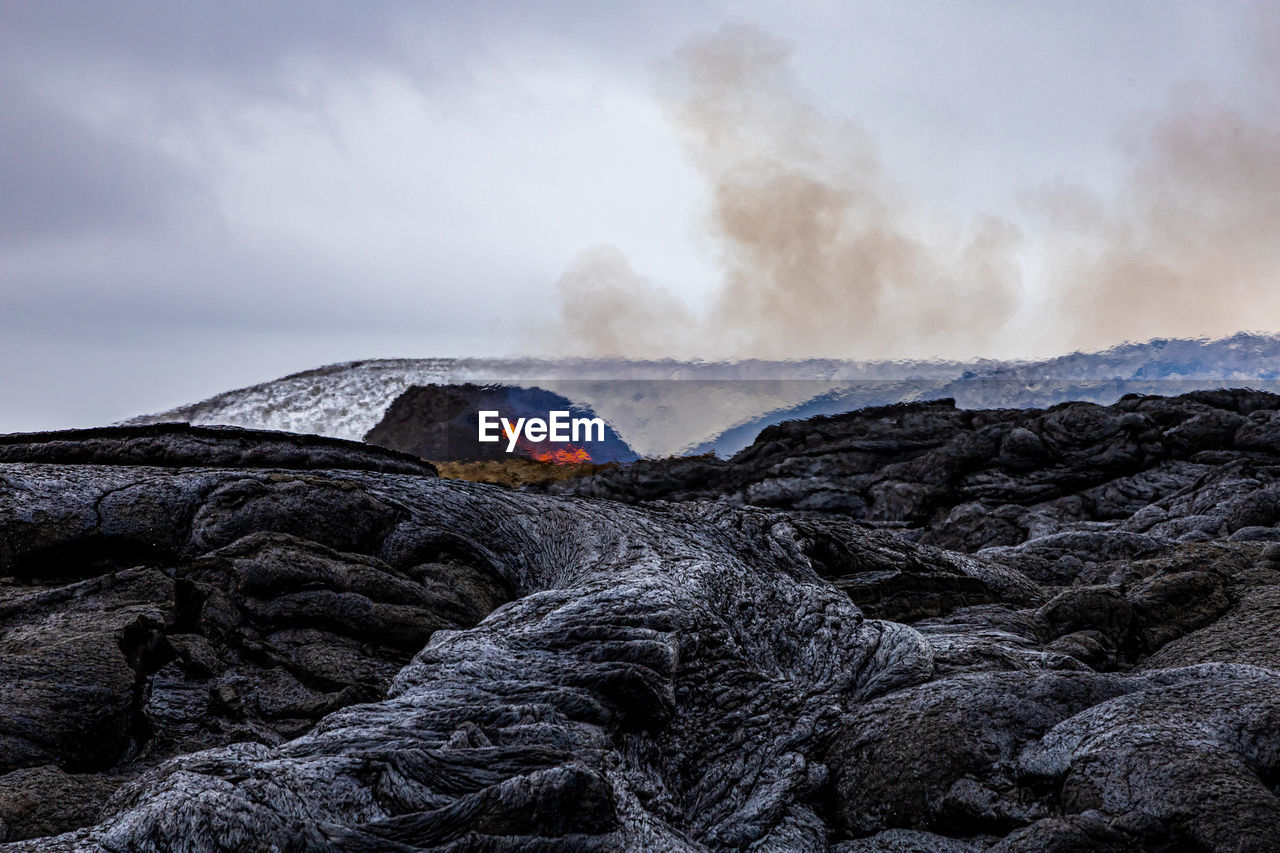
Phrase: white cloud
x=282 y=185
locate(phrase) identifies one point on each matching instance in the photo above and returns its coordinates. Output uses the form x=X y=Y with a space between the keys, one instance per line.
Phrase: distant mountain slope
x=1163 y=367
x=670 y=407
x=658 y=407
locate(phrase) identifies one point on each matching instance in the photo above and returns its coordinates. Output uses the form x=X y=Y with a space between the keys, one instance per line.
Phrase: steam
x=823 y=254
x=607 y=309
x=1192 y=246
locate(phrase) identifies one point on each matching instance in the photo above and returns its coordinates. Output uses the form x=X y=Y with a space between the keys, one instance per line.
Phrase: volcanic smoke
x=825 y=255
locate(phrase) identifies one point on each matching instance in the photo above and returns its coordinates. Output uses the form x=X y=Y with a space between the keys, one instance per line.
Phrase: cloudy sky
x=199 y=196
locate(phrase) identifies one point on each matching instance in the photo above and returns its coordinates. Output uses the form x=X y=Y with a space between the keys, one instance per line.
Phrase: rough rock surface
x=181 y=444
x=1202 y=466
x=249 y=656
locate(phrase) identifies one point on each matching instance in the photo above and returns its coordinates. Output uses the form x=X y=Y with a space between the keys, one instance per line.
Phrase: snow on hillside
x=659 y=407
x=666 y=407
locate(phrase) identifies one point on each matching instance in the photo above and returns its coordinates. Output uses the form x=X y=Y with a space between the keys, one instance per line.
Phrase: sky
x=200 y=196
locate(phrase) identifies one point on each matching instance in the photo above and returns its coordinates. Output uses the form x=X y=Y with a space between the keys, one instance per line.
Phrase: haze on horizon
x=196 y=197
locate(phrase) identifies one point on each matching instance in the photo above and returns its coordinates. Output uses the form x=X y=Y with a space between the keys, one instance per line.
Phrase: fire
x=568 y=455
x=564 y=456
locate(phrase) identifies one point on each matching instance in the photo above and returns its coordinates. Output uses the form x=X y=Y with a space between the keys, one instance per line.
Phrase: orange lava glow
x=564 y=456
x=567 y=455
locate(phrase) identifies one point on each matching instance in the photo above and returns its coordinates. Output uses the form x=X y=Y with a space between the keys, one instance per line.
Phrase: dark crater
x=440 y=422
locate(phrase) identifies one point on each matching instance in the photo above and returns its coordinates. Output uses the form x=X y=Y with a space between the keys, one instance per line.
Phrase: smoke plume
x=609 y=310
x=823 y=254
x=1192 y=245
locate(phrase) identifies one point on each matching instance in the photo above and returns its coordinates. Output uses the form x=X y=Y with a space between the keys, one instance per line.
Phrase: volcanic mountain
x=440 y=422
x=662 y=408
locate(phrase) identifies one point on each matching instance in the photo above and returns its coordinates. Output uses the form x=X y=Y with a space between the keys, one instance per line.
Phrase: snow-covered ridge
x=661 y=407
x=665 y=407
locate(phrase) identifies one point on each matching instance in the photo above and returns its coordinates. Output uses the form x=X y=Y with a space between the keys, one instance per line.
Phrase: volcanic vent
x=441 y=423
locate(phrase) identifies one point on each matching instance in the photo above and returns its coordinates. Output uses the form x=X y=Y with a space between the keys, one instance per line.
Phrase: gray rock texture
x=181 y=444
x=224 y=652
x=1202 y=466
